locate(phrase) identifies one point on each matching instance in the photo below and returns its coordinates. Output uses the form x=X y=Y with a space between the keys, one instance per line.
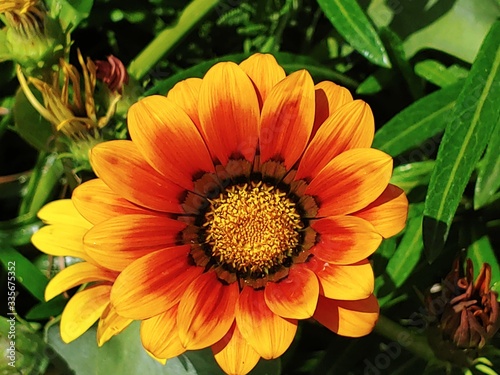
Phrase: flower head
x=245 y=201
x=469 y=313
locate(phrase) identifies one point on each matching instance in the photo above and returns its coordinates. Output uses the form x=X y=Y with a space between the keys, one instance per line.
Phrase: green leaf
x=473 y=119
x=25 y=272
x=375 y=82
x=124 y=355
x=409 y=176
x=420 y=121
x=488 y=179
x=398 y=57
x=29 y=124
x=351 y=22
x=18 y=231
x=46 y=174
x=45 y=310
x=458 y=32
x=408 y=253
x=4 y=50
x=70 y=12
x=438 y=74
x=170 y=37
x=480 y=251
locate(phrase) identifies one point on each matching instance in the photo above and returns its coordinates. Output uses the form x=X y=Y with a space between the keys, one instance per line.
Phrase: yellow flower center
x=252 y=227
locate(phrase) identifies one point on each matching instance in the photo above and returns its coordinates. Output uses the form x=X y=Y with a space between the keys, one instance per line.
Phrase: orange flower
x=64 y=237
x=246 y=201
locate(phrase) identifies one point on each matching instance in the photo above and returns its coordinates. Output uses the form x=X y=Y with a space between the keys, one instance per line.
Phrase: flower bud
x=33 y=39
x=112 y=72
x=466 y=311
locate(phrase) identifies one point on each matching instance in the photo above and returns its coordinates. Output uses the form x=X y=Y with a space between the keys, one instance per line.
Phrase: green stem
x=412 y=342
x=169 y=37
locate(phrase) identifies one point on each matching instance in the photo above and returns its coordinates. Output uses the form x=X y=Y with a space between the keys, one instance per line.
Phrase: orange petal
x=185 y=94
x=348 y=318
x=287 y=119
x=349 y=282
x=119 y=241
x=295 y=296
x=110 y=325
x=229 y=112
x=328 y=98
x=155 y=122
x=121 y=166
x=269 y=334
x=206 y=311
x=264 y=71
x=61 y=240
x=388 y=213
x=351 y=126
x=76 y=274
x=351 y=181
x=160 y=335
x=82 y=311
x=97 y=202
x=344 y=239
x=63 y=211
x=233 y=354
x=154 y=283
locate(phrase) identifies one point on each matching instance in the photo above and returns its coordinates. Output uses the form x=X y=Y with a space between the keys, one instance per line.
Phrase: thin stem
x=169 y=37
x=414 y=343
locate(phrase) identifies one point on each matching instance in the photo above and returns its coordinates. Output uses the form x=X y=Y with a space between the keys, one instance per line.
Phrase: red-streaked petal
x=344 y=239
x=119 y=241
x=295 y=296
x=168 y=140
x=269 y=334
x=76 y=274
x=287 y=119
x=160 y=335
x=351 y=181
x=185 y=94
x=206 y=311
x=233 y=354
x=229 y=112
x=64 y=212
x=154 y=283
x=328 y=98
x=344 y=282
x=82 y=311
x=110 y=325
x=388 y=213
x=348 y=318
x=351 y=126
x=97 y=202
x=61 y=240
x=265 y=72
x=122 y=167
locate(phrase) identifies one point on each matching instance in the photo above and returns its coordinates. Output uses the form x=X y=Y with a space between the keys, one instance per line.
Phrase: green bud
x=34 y=40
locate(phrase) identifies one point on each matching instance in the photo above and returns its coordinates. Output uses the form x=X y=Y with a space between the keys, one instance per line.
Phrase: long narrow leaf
x=24 y=272
x=420 y=121
x=488 y=179
x=472 y=122
x=351 y=22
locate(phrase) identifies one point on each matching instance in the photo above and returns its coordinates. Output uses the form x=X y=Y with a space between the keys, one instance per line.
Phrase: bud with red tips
x=112 y=72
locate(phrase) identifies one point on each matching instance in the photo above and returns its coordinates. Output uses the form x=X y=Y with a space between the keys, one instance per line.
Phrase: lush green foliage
x=429 y=70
